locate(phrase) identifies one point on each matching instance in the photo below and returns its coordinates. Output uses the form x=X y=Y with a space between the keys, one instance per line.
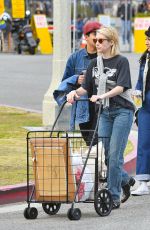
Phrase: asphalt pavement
x=24 y=79
x=132 y=215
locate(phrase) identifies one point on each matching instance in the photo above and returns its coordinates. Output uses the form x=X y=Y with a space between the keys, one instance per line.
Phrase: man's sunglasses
x=100 y=40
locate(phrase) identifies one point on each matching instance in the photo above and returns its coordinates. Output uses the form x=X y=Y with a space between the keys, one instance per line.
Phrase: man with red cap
x=74 y=74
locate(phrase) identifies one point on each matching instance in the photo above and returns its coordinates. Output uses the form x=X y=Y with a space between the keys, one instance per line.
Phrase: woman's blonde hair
x=112 y=35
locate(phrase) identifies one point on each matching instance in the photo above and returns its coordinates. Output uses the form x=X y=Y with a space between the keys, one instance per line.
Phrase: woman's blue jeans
x=115 y=123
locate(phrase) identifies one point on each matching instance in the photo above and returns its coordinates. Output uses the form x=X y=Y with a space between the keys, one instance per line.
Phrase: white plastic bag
x=87 y=181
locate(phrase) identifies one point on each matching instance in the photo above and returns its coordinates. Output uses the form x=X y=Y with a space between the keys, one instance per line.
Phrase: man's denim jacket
x=76 y=63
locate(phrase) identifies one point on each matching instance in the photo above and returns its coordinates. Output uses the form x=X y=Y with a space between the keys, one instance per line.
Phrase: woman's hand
x=72 y=96
x=94 y=98
x=137 y=93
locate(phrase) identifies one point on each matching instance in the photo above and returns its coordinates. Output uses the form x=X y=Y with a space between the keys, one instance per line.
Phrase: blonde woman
x=108 y=78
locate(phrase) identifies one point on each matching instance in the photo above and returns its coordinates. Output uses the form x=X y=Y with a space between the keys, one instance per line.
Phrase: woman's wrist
x=74 y=92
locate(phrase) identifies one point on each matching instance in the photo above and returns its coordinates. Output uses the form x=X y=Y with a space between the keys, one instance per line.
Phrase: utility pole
x=61 y=51
x=130 y=38
x=74 y=24
x=27 y=4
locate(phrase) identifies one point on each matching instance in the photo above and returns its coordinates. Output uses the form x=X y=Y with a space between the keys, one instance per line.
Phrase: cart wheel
x=103 y=202
x=33 y=213
x=74 y=214
x=51 y=208
x=26 y=215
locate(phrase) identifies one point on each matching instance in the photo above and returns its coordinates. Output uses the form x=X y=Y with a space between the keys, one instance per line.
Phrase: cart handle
x=62 y=106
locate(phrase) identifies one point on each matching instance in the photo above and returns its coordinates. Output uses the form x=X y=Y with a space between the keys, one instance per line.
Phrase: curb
x=13 y=193
x=18 y=193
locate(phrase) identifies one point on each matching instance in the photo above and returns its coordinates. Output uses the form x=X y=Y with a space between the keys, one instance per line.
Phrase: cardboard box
x=54 y=178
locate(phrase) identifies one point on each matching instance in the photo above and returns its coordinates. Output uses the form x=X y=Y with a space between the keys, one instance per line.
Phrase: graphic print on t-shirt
x=110 y=73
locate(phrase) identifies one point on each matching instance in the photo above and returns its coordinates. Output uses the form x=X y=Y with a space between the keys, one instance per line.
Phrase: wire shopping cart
x=61 y=168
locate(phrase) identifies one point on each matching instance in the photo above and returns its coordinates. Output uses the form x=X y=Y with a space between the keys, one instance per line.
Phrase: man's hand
x=72 y=96
x=81 y=79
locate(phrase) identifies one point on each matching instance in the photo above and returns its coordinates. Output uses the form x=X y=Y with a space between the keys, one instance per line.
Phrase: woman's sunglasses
x=100 y=40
